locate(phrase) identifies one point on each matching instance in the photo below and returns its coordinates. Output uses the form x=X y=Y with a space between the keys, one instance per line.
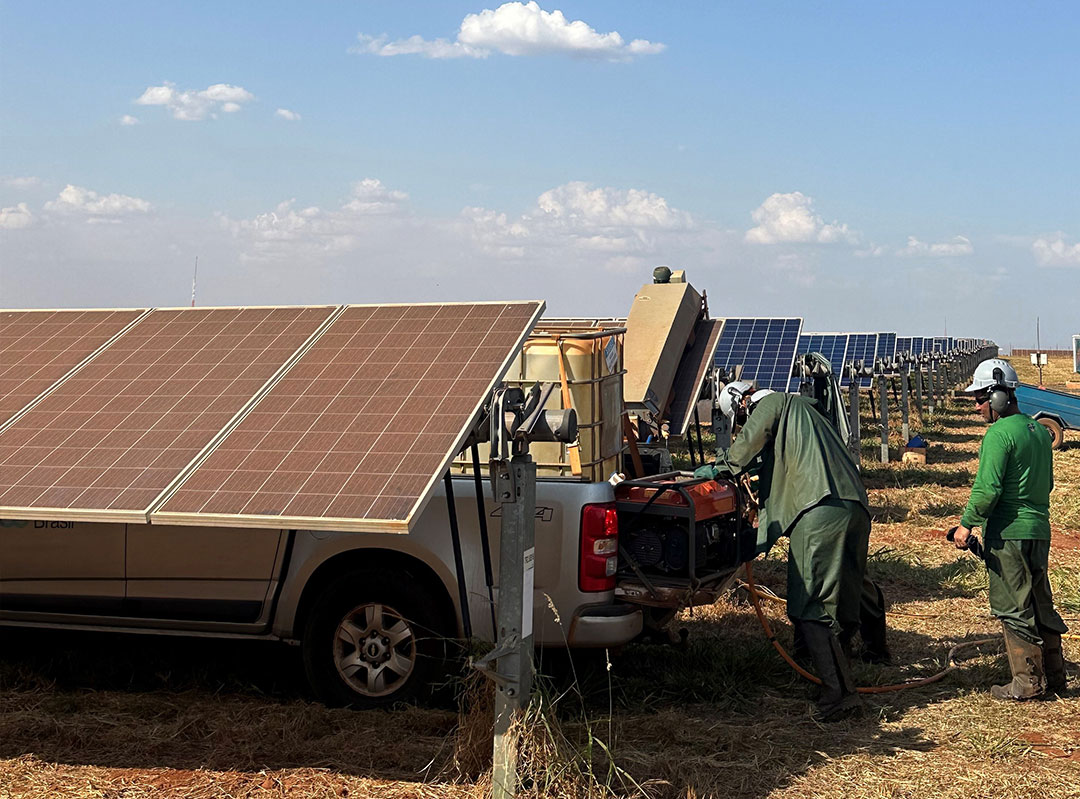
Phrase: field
x=101 y=716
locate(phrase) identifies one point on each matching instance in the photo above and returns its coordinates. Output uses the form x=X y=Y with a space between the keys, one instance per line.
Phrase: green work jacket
x=804 y=461
x=1010 y=499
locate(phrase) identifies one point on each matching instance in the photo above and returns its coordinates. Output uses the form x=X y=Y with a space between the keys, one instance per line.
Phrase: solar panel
x=358 y=431
x=928 y=344
x=903 y=344
x=941 y=344
x=37 y=348
x=832 y=345
x=764 y=347
x=691 y=374
x=886 y=346
x=109 y=439
x=861 y=347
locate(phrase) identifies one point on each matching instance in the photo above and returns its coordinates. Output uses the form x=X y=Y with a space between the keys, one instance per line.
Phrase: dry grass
x=103 y=716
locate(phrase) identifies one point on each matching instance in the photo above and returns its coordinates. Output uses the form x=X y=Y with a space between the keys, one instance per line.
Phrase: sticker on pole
x=528 y=582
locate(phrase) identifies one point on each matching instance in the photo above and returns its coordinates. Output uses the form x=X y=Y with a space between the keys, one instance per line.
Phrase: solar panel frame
x=32 y=377
x=861 y=347
x=691 y=374
x=832 y=345
x=743 y=338
x=886 y=346
x=189 y=501
x=122 y=432
x=903 y=344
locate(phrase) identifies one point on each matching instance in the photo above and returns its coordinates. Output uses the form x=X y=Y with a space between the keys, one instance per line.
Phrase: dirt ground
x=85 y=715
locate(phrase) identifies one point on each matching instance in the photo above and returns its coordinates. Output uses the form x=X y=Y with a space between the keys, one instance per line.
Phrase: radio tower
x=194 y=281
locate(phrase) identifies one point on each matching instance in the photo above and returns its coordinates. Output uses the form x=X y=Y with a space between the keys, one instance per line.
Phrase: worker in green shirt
x=810 y=491
x=1010 y=501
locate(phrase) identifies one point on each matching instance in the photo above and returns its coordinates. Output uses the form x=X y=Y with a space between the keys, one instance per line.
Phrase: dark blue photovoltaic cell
x=928 y=344
x=941 y=343
x=764 y=347
x=903 y=344
x=886 y=346
x=832 y=345
x=861 y=347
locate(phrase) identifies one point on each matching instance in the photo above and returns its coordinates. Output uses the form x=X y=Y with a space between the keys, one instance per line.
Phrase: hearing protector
x=1000 y=396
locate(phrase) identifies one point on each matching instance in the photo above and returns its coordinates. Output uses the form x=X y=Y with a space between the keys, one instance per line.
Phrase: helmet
x=991 y=373
x=758 y=396
x=731 y=397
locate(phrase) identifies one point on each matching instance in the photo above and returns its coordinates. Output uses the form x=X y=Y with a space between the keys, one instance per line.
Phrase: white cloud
x=127 y=120
x=1053 y=251
x=191 y=105
x=790 y=218
x=515 y=29
x=370 y=196
x=22 y=182
x=99 y=207
x=16 y=216
x=615 y=228
x=285 y=113
x=287 y=232
x=957 y=245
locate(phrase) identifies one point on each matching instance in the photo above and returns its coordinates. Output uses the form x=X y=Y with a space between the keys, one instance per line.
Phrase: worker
x=810 y=491
x=1010 y=501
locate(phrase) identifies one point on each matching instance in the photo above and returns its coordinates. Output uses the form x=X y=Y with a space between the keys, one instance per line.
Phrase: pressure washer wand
x=974 y=545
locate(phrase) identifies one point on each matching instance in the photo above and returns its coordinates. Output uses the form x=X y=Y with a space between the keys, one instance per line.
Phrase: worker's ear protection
x=999 y=396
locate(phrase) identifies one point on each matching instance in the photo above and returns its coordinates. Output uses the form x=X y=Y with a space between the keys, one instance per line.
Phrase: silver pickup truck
x=371 y=611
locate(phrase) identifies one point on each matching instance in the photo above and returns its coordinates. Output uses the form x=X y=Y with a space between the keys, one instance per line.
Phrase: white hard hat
x=759 y=395
x=993 y=372
x=731 y=395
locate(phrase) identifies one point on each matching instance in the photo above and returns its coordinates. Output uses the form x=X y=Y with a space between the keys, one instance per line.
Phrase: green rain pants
x=1020 y=589
x=827 y=563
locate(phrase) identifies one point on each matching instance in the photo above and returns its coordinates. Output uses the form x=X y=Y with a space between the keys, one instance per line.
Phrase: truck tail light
x=599 y=547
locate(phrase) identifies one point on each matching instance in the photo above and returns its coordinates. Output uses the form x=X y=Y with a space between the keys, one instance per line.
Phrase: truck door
x=61 y=567
x=200 y=574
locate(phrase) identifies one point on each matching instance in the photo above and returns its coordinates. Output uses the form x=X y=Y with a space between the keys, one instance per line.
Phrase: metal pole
x=905 y=427
x=932 y=399
x=919 y=390
x=854 y=440
x=883 y=422
x=485 y=544
x=517 y=494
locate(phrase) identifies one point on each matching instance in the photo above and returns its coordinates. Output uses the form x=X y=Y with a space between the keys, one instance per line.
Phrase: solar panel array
x=37 y=348
x=765 y=348
x=689 y=377
x=903 y=344
x=861 y=347
x=831 y=345
x=368 y=418
x=114 y=435
x=277 y=403
x=886 y=348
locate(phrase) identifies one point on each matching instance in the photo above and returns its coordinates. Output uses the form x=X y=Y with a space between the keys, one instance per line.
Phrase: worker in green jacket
x=1010 y=501
x=810 y=491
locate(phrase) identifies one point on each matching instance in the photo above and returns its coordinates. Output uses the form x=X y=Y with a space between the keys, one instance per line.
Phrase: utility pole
x=194 y=281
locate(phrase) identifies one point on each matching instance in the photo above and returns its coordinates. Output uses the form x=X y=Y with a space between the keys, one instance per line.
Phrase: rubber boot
x=1026 y=665
x=873 y=630
x=838 y=697
x=1053 y=662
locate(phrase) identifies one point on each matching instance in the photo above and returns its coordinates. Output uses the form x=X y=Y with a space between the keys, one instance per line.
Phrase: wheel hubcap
x=374 y=649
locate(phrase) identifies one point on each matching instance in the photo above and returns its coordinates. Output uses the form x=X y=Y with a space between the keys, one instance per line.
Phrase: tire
x=373 y=639
x=1057 y=433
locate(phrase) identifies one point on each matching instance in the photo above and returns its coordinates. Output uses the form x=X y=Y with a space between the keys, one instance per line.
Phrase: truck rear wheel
x=1057 y=433
x=372 y=639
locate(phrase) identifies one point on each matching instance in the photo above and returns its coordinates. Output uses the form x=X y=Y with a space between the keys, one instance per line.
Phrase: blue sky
x=863 y=165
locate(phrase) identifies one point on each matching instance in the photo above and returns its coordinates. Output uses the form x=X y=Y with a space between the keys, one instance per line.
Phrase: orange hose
x=875 y=689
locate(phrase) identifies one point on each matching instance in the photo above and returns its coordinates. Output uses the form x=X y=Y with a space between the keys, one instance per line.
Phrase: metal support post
x=883 y=421
x=919 y=390
x=905 y=428
x=947 y=385
x=515 y=488
x=854 y=439
x=931 y=403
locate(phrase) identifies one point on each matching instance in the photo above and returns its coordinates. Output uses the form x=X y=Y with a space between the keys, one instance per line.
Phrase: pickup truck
x=1057 y=411
x=372 y=612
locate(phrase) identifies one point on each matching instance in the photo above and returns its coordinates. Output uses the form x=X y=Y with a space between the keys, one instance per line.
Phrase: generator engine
x=655 y=519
